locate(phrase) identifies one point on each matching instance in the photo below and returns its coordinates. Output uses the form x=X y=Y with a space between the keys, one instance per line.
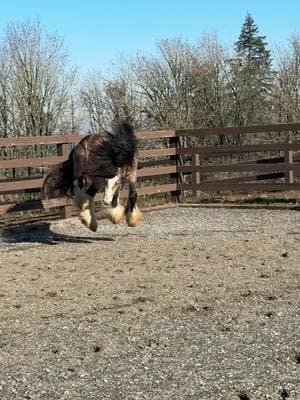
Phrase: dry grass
x=253 y=198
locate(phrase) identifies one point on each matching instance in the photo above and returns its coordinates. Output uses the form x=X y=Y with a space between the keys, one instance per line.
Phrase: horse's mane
x=124 y=144
x=105 y=154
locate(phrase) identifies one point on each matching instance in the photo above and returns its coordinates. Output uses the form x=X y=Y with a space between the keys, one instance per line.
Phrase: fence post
x=64 y=211
x=196 y=179
x=174 y=160
x=288 y=159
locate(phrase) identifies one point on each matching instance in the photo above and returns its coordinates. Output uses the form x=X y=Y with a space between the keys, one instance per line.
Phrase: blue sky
x=96 y=33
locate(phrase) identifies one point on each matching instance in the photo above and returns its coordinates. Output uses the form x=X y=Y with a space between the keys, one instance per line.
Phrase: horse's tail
x=124 y=144
x=59 y=181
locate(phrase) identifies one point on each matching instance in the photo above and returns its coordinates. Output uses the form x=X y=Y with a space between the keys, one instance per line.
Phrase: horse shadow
x=41 y=233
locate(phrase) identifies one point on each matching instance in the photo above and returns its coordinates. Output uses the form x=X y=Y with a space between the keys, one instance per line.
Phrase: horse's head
x=112 y=187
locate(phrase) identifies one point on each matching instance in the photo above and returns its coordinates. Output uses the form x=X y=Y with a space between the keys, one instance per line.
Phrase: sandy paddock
x=192 y=304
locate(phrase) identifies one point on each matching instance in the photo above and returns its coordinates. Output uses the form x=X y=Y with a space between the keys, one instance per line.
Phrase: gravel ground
x=192 y=304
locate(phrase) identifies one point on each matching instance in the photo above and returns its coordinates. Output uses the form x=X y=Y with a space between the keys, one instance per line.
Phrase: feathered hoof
x=134 y=217
x=88 y=220
x=115 y=215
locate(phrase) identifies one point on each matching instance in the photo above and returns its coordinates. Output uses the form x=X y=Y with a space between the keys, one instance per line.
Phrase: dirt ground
x=192 y=304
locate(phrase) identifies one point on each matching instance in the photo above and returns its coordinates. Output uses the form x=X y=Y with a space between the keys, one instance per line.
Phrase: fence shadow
x=42 y=234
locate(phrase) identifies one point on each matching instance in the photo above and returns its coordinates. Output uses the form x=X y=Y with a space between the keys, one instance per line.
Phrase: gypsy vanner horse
x=99 y=163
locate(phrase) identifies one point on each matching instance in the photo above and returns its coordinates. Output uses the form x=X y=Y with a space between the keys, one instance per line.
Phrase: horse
x=99 y=163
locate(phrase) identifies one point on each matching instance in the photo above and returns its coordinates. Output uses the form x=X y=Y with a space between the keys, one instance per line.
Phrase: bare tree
x=36 y=82
x=167 y=85
x=5 y=98
x=215 y=103
x=107 y=100
x=286 y=96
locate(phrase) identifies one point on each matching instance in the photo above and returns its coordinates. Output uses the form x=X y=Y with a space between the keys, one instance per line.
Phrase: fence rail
x=168 y=166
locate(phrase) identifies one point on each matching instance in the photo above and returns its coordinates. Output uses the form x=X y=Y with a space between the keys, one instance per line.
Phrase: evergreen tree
x=251 y=48
x=252 y=75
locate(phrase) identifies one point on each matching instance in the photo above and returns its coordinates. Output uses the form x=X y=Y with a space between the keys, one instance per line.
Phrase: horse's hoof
x=88 y=220
x=93 y=227
x=116 y=214
x=134 y=217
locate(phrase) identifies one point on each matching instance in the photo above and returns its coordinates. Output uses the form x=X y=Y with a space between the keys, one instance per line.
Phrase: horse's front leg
x=116 y=212
x=133 y=214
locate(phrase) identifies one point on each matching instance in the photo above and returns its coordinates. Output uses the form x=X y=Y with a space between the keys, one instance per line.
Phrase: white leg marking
x=110 y=189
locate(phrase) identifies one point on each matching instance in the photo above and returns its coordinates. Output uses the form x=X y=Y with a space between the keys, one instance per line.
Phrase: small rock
x=52 y=294
x=284 y=394
x=96 y=349
x=263 y=275
x=297 y=358
x=54 y=350
x=271 y=297
x=243 y=396
x=269 y=314
x=190 y=308
x=140 y=299
x=246 y=293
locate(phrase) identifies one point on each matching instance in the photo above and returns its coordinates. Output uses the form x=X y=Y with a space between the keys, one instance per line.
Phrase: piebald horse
x=99 y=163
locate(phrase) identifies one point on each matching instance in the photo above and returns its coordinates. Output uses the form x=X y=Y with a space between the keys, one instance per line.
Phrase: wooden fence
x=178 y=162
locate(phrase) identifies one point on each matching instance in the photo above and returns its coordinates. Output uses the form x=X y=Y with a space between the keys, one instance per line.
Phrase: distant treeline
x=186 y=85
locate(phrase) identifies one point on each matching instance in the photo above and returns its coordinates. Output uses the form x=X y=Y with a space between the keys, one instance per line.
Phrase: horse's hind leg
x=88 y=215
x=86 y=204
